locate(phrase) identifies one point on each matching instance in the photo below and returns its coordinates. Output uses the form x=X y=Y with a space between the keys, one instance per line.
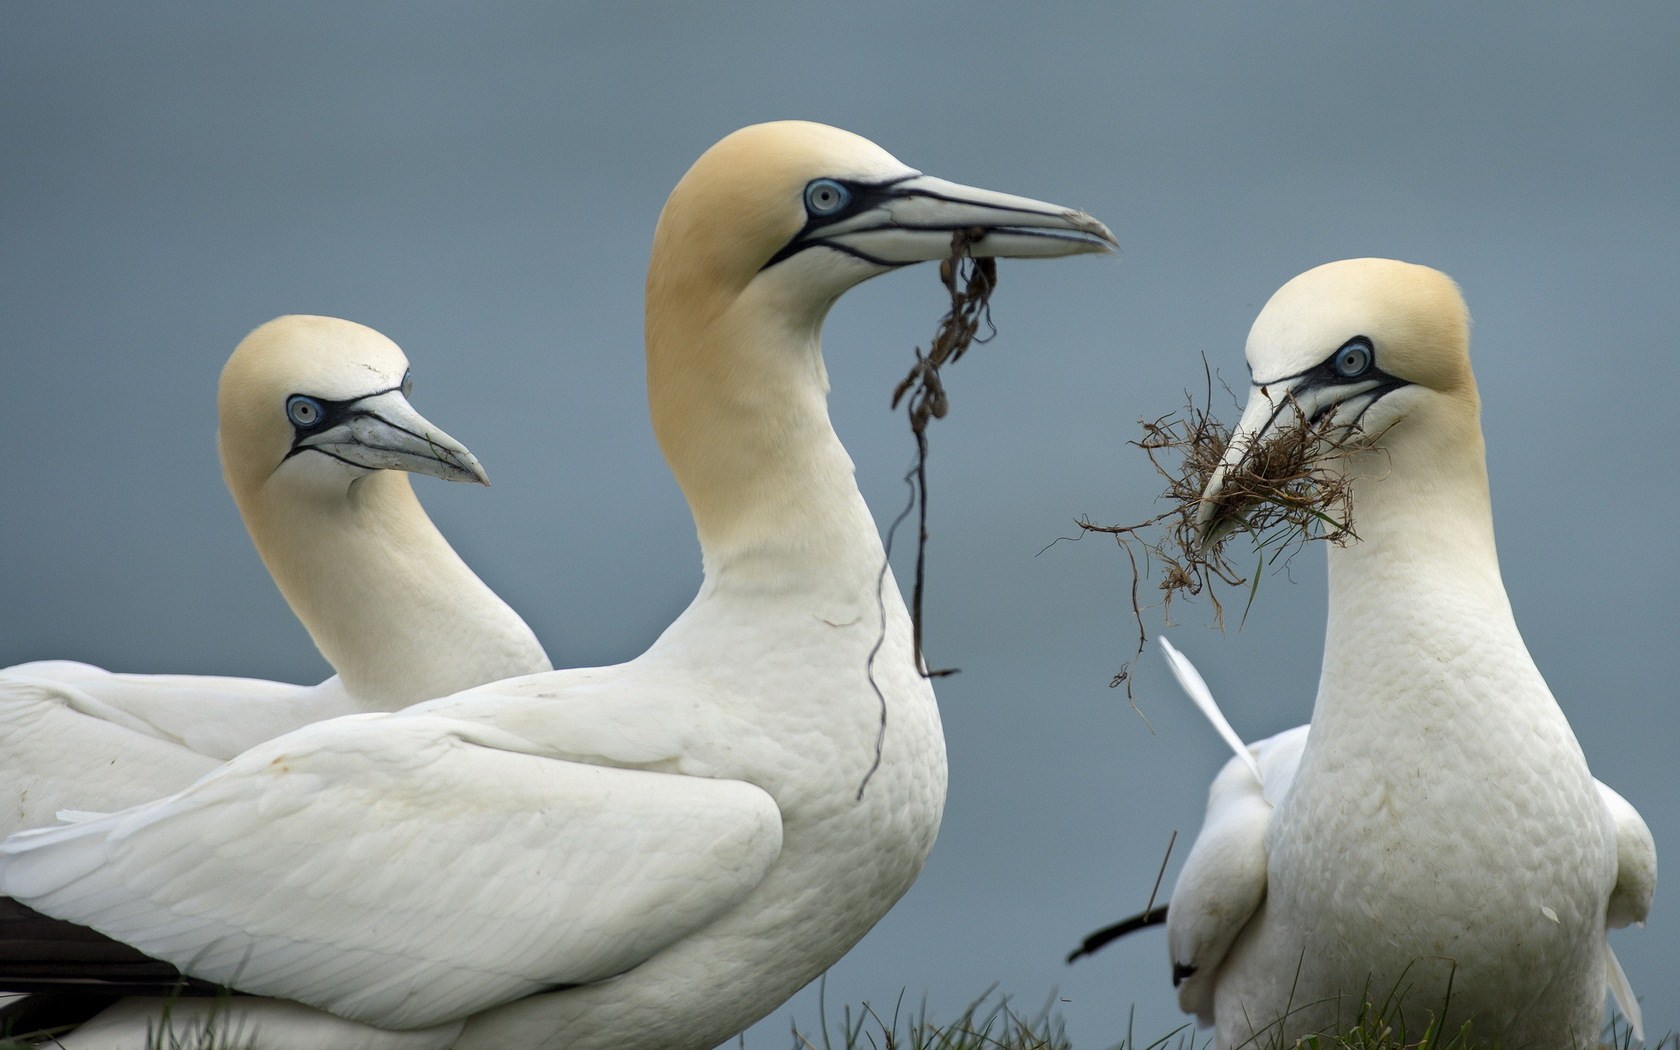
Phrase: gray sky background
x=480 y=182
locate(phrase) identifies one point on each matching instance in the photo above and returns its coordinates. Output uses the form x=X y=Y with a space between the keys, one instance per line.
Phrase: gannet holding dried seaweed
x=1438 y=827
x=317 y=438
x=649 y=855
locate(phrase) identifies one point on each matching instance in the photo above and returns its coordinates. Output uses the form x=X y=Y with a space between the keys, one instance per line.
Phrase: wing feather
x=1224 y=879
x=61 y=748
x=1194 y=686
x=1636 y=861
x=405 y=870
x=1220 y=888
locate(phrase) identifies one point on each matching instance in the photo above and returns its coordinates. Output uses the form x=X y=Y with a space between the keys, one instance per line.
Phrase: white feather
x=413 y=854
x=1622 y=992
x=1191 y=681
x=386 y=599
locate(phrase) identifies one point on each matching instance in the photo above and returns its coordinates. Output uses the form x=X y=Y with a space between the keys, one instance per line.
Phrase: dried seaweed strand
x=970 y=282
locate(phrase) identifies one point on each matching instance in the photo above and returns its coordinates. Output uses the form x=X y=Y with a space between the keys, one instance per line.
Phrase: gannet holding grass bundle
x=1436 y=839
x=649 y=855
x=317 y=438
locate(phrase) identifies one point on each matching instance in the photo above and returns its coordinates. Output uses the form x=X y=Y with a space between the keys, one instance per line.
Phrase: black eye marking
x=1354 y=364
x=842 y=198
x=312 y=415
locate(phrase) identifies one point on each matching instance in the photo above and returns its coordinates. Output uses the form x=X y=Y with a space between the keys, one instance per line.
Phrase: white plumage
x=693 y=835
x=327 y=501
x=334 y=930
x=1437 y=827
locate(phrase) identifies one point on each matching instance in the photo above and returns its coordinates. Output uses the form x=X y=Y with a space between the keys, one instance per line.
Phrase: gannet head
x=758 y=239
x=815 y=210
x=315 y=403
x=1371 y=344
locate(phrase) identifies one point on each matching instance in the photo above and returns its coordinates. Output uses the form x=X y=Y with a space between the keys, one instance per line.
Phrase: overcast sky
x=480 y=182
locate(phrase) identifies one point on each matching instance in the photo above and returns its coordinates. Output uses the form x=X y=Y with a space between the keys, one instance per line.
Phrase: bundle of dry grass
x=1284 y=493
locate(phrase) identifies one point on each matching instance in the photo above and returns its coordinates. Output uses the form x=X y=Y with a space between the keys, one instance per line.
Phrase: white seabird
x=316 y=436
x=1438 y=827
x=649 y=855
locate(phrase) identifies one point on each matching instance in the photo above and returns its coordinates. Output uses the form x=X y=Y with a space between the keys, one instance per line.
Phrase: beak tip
x=1096 y=228
x=472 y=466
x=1204 y=530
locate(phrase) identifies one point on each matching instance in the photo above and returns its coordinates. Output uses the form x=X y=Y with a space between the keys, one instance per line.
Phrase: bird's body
x=648 y=855
x=811 y=754
x=327 y=501
x=1436 y=842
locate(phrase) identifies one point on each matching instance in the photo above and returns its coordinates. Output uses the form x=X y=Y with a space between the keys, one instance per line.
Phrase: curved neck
x=385 y=598
x=738 y=395
x=1420 y=630
x=1423 y=518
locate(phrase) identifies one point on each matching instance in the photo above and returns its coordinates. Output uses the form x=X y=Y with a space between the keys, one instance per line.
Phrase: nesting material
x=970 y=283
x=1287 y=492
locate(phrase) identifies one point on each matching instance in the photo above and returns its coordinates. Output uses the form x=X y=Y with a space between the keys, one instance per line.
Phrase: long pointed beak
x=384 y=432
x=914 y=218
x=1266 y=406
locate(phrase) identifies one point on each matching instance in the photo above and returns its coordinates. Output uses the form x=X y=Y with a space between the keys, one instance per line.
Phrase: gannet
x=648 y=855
x=1438 y=827
x=316 y=436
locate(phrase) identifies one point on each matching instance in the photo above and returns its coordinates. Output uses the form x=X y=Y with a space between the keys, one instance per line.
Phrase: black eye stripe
x=1376 y=383
x=865 y=195
x=333 y=413
x=1324 y=373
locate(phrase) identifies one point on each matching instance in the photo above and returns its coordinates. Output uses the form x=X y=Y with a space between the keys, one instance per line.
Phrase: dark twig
x=1150 y=916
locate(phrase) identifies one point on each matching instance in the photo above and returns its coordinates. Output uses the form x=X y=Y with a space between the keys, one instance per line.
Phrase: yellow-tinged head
x=766 y=230
x=1376 y=344
x=311 y=404
x=817 y=209
x=1413 y=317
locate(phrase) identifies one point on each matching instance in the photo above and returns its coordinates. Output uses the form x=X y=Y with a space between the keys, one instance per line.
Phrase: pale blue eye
x=303 y=411
x=825 y=197
x=408 y=384
x=1353 y=360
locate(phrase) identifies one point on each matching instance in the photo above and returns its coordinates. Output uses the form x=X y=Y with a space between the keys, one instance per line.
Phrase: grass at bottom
x=990 y=1023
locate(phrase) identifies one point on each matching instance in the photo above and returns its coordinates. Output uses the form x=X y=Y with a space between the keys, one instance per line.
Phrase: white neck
x=386 y=599
x=739 y=404
x=1420 y=626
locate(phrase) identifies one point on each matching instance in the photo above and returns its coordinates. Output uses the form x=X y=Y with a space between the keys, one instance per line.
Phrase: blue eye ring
x=1354 y=359
x=304 y=411
x=407 y=387
x=825 y=197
